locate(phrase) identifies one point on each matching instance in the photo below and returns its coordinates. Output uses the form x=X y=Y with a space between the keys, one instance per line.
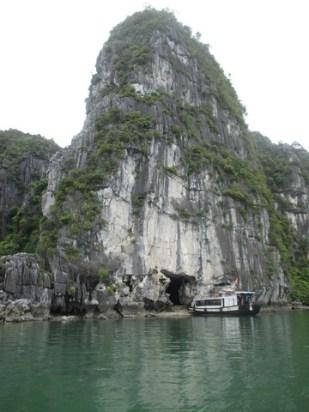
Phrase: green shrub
x=110 y=290
x=197 y=157
x=176 y=130
x=72 y=252
x=171 y=169
x=212 y=123
x=138 y=201
x=236 y=193
x=103 y=273
x=183 y=213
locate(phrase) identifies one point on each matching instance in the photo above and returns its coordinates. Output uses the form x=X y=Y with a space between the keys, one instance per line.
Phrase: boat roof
x=238 y=292
x=213 y=297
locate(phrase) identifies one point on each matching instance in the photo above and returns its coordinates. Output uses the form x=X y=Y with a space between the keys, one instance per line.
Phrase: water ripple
x=192 y=364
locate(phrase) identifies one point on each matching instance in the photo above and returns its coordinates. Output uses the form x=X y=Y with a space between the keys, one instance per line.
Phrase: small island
x=163 y=192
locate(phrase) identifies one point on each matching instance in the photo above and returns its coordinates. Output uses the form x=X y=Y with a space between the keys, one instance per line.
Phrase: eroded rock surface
x=165 y=191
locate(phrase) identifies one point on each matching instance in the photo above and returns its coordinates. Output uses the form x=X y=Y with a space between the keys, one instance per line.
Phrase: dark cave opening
x=174 y=289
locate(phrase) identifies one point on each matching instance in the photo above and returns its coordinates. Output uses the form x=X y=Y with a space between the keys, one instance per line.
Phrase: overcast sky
x=48 y=50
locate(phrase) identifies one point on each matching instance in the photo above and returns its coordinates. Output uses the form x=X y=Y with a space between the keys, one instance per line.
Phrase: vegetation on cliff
x=23 y=166
x=131 y=45
x=115 y=131
x=251 y=171
x=283 y=165
x=253 y=181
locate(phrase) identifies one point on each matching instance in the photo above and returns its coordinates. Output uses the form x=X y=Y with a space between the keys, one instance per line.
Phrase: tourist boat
x=237 y=303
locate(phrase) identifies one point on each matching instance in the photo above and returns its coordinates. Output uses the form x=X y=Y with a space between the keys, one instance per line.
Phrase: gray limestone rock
x=27 y=290
x=18 y=310
x=167 y=213
x=158 y=218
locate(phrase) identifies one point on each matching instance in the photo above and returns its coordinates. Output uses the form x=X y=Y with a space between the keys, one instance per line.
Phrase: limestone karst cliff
x=24 y=160
x=165 y=191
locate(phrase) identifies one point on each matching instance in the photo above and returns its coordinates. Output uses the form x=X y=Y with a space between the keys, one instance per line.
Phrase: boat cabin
x=226 y=303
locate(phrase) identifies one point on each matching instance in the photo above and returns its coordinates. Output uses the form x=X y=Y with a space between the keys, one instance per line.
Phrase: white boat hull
x=241 y=310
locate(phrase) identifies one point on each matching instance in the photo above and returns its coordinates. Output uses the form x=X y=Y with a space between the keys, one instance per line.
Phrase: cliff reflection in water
x=192 y=364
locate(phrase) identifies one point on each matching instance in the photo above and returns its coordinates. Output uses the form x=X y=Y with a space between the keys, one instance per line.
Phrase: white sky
x=48 y=50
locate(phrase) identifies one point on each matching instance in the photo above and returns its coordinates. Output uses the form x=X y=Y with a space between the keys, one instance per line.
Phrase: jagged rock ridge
x=164 y=191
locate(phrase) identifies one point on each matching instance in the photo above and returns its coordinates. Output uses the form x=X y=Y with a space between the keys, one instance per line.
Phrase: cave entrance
x=177 y=290
x=173 y=289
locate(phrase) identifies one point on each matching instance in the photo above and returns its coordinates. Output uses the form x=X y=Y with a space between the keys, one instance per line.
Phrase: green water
x=189 y=364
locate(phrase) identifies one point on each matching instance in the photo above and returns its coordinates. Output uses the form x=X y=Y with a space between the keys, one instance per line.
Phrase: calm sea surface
x=189 y=364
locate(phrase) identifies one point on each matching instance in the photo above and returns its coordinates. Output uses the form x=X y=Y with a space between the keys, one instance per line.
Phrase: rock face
x=24 y=160
x=25 y=290
x=165 y=192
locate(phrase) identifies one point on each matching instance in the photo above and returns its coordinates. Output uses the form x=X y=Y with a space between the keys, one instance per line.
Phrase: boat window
x=208 y=302
x=248 y=298
x=213 y=302
x=244 y=298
